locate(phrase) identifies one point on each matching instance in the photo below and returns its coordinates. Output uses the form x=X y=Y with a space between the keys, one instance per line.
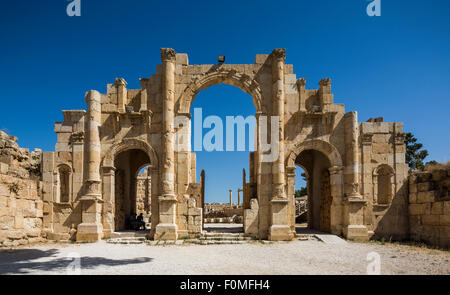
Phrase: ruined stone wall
x=429 y=207
x=21 y=206
x=384 y=176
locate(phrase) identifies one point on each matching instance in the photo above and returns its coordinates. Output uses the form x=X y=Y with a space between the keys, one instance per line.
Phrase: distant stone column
x=279 y=229
x=91 y=228
x=231 y=198
x=167 y=228
x=239 y=196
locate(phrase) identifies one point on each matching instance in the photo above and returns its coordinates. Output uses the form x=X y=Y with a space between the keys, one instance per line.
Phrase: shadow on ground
x=23 y=261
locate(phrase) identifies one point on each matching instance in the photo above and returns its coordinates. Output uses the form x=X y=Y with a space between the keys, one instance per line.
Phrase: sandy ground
x=297 y=257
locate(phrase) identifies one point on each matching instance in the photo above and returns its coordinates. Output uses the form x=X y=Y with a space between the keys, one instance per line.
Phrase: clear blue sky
x=396 y=65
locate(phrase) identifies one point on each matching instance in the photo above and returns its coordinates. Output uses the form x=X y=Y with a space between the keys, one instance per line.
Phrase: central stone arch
x=219 y=76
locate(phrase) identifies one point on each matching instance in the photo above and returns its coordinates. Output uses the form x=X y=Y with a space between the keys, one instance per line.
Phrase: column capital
x=92 y=95
x=187 y=115
x=108 y=170
x=279 y=53
x=120 y=81
x=301 y=83
x=325 y=82
x=168 y=54
x=336 y=169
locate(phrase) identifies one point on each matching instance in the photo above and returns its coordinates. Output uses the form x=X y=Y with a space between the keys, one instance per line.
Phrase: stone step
x=225 y=238
x=330 y=239
x=126 y=241
x=304 y=237
x=219 y=234
x=214 y=242
x=129 y=234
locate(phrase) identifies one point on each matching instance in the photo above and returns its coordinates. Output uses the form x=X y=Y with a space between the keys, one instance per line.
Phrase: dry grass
x=437 y=166
x=412 y=245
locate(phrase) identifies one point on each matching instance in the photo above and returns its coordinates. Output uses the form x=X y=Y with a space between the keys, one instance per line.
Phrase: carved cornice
x=366 y=138
x=336 y=169
x=168 y=54
x=290 y=171
x=400 y=138
x=187 y=115
x=77 y=137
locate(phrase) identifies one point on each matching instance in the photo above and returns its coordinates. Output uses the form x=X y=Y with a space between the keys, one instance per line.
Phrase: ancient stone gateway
x=356 y=171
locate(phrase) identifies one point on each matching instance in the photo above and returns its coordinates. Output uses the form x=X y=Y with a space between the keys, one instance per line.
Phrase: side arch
x=383 y=184
x=230 y=77
x=336 y=180
x=326 y=148
x=129 y=144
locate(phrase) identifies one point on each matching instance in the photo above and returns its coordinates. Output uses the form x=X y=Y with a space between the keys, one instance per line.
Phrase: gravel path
x=297 y=257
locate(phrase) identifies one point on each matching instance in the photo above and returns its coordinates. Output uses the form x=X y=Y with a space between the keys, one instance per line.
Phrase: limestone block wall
x=429 y=207
x=20 y=211
x=21 y=203
x=384 y=176
x=189 y=216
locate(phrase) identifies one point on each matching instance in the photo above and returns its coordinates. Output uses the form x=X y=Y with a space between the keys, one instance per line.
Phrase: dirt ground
x=296 y=257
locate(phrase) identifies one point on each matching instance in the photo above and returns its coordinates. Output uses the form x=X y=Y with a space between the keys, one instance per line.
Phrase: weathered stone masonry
x=357 y=175
x=21 y=206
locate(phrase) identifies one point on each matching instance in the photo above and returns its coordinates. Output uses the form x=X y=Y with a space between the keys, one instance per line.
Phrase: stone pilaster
x=182 y=127
x=336 y=187
x=354 y=203
x=91 y=228
x=108 y=184
x=290 y=191
x=167 y=228
x=279 y=229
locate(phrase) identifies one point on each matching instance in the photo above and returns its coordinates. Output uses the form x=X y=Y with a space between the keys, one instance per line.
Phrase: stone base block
x=58 y=236
x=166 y=231
x=89 y=232
x=356 y=233
x=280 y=233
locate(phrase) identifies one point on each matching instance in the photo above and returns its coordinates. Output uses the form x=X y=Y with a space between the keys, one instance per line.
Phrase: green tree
x=301 y=192
x=432 y=163
x=414 y=152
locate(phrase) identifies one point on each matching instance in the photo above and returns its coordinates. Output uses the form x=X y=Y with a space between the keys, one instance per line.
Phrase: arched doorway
x=319 y=199
x=323 y=168
x=125 y=159
x=128 y=164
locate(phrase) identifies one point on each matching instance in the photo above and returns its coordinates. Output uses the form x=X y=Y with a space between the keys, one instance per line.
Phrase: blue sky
x=396 y=65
